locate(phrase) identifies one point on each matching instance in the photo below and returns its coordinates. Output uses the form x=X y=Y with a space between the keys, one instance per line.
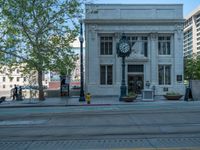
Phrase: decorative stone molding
x=179 y=31
x=153 y=36
x=136 y=59
x=92 y=10
x=117 y=34
x=93 y=29
x=179 y=28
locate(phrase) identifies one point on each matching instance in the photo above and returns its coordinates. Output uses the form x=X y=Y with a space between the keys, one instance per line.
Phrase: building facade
x=14 y=78
x=10 y=77
x=156 y=36
x=192 y=34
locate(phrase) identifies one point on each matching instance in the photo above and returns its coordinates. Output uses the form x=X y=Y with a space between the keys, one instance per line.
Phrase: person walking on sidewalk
x=15 y=94
x=20 y=93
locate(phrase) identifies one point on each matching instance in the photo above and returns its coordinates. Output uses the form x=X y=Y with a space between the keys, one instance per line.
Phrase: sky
x=188 y=5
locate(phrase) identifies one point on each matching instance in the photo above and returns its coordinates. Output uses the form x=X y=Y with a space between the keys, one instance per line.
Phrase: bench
x=2 y=99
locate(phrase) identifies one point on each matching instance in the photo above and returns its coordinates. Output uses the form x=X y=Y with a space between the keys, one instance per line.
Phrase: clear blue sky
x=188 y=5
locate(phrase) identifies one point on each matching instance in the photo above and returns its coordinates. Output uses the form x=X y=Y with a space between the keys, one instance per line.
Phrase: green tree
x=38 y=33
x=192 y=68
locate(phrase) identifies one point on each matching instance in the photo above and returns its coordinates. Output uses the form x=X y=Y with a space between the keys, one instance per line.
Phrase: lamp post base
x=123 y=92
x=121 y=98
x=81 y=99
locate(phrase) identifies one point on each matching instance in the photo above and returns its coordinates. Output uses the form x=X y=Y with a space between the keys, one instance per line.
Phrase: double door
x=135 y=83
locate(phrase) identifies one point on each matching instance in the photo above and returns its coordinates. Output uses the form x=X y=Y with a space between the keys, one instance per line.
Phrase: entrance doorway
x=135 y=83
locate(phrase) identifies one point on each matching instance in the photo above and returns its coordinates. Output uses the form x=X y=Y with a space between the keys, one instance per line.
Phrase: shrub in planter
x=173 y=96
x=130 y=97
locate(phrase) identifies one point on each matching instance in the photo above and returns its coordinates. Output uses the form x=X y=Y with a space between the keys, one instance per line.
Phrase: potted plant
x=173 y=96
x=130 y=97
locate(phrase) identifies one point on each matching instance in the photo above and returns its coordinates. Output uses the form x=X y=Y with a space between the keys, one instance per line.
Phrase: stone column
x=93 y=58
x=178 y=58
x=118 y=62
x=178 y=51
x=153 y=55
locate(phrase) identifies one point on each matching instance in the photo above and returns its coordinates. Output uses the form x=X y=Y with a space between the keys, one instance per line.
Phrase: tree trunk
x=41 y=92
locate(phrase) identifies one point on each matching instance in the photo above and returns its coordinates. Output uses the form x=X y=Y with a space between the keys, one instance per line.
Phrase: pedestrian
x=139 y=86
x=20 y=93
x=15 y=92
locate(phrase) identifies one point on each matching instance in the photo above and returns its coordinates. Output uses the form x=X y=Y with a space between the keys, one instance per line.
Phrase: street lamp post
x=123 y=50
x=123 y=83
x=82 y=95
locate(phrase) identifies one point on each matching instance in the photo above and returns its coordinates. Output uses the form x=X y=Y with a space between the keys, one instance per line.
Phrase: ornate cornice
x=135 y=21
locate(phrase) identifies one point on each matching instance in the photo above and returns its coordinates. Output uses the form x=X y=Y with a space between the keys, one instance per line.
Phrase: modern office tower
x=192 y=34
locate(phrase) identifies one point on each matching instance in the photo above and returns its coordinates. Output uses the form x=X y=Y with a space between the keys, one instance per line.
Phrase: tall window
x=139 y=45
x=4 y=79
x=106 y=75
x=106 y=45
x=164 y=74
x=11 y=79
x=144 y=46
x=17 y=79
x=164 y=45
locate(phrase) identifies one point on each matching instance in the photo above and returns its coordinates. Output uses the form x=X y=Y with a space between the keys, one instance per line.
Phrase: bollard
x=88 y=98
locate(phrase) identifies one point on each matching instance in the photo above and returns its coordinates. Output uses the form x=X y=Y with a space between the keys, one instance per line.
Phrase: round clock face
x=124 y=47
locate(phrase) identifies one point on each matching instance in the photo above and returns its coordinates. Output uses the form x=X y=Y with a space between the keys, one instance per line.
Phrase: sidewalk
x=74 y=101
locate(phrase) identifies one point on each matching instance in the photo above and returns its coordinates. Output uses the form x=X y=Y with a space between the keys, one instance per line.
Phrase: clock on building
x=124 y=48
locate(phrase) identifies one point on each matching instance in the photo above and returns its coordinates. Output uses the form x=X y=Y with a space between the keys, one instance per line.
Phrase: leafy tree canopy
x=192 y=68
x=38 y=33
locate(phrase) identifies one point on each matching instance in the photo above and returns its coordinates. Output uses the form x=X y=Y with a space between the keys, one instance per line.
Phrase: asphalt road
x=103 y=127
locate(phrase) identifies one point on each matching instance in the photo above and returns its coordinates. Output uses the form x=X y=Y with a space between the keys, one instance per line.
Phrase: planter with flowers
x=130 y=97
x=173 y=96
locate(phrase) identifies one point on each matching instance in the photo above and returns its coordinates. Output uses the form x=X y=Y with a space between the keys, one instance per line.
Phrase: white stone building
x=156 y=35
x=14 y=78
x=10 y=78
x=192 y=33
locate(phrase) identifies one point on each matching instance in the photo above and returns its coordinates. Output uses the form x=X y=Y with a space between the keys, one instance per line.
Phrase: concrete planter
x=173 y=97
x=129 y=98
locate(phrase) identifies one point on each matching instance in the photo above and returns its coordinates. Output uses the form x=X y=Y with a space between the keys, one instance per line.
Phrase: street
x=101 y=127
